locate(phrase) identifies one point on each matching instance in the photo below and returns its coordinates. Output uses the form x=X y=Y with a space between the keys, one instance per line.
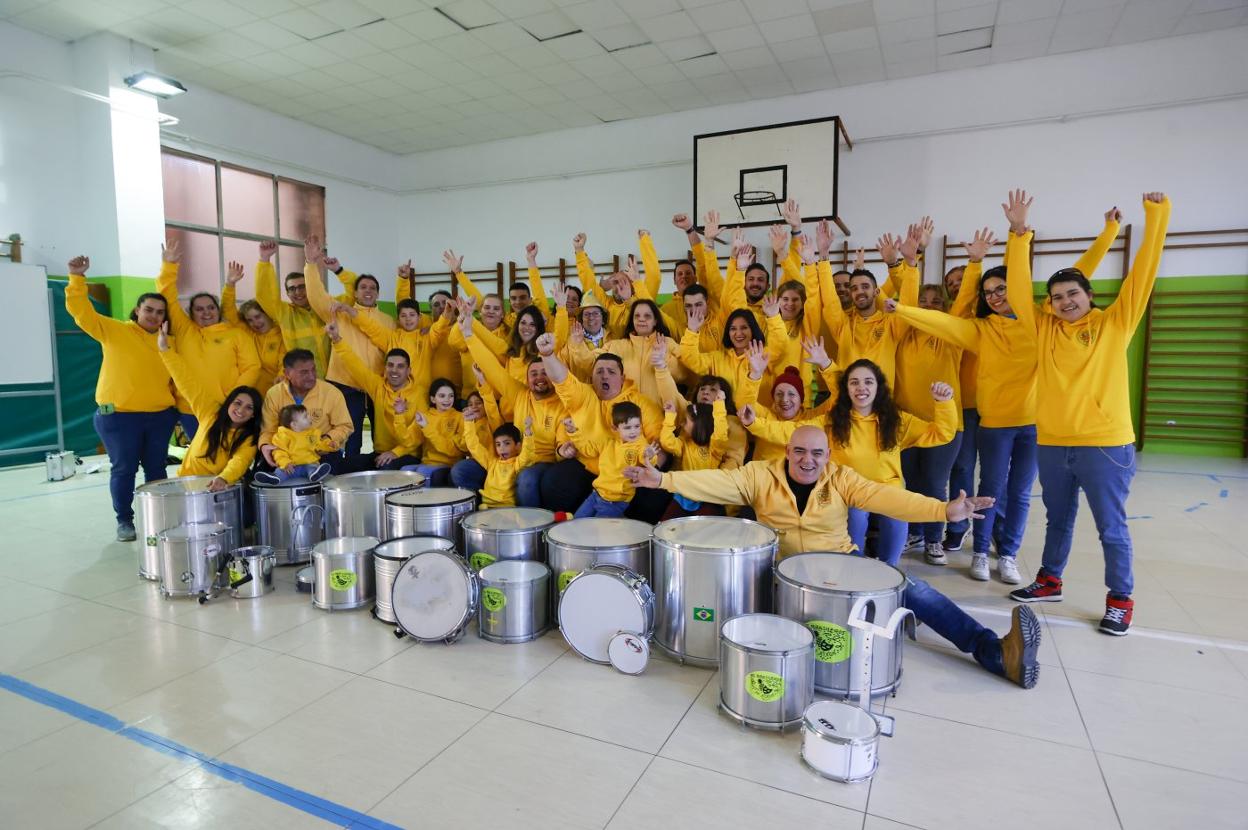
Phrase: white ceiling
x=413 y=75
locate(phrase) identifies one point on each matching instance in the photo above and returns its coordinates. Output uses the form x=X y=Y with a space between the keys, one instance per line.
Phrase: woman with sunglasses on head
x=252 y=320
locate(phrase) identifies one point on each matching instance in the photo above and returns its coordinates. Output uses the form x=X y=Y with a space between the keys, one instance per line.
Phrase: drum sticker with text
x=479 y=560
x=565 y=577
x=341 y=579
x=493 y=599
x=833 y=643
x=704 y=614
x=764 y=686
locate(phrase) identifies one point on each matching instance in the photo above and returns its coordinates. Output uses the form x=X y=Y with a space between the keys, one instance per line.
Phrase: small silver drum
x=250 y=571
x=190 y=558
x=504 y=533
x=766 y=670
x=290 y=518
x=513 y=605
x=182 y=501
x=432 y=511
x=343 y=573
x=355 y=503
x=435 y=597
x=818 y=589
x=389 y=557
x=600 y=603
x=707 y=569
x=580 y=544
x=840 y=741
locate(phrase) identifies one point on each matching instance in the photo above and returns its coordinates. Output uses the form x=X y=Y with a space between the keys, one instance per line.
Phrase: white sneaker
x=979 y=567
x=935 y=554
x=1007 y=569
x=914 y=543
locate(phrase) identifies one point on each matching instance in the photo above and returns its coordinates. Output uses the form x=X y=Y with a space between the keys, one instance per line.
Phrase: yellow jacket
x=301 y=328
x=443 y=437
x=517 y=403
x=923 y=359
x=634 y=351
x=391 y=430
x=132 y=376
x=876 y=337
x=224 y=356
x=694 y=456
x=593 y=416
x=325 y=404
x=617 y=312
x=293 y=448
x=733 y=367
x=270 y=346
x=822 y=526
x=420 y=347
x=536 y=290
x=1082 y=377
x=364 y=348
x=770 y=437
x=500 y=474
x=205 y=404
x=446 y=363
x=614 y=456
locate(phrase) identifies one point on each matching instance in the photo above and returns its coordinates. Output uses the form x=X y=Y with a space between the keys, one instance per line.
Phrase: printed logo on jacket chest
x=824 y=497
x=1086 y=337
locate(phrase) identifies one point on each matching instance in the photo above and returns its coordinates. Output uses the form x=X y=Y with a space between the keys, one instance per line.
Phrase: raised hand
x=658 y=352
x=162 y=337
x=465 y=319
x=333 y=264
x=792 y=214
x=313 y=251
x=233 y=273
x=910 y=247
x=331 y=329
x=454 y=264
x=860 y=259
x=337 y=307
x=779 y=237
x=925 y=227
x=78 y=265
x=889 y=248
x=771 y=305
x=404 y=271
x=823 y=238
x=695 y=318
x=747 y=414
x=942 y=391
x=808 y=250
x=630 y=271
x=980 y=244
x=710 y=228
x=171 y=251
x=545 y=344
x=530 y=254
x=1155 y=196
x=268 y=248
x=816 y=353
x=578 y=242
x=1113 y=214
x=642 y=232
x=669 y=406
x=560 y=294
x=758 y=359
x=1016 y=207
x=577 y=335
x=479 y=375
x=683 y=222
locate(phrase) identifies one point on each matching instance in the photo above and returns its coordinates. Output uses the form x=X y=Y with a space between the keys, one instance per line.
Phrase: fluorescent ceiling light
x=154 y=84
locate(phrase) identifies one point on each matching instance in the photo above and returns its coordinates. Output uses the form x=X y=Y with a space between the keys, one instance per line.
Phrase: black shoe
x=267 y=478
x=1046 y=588
x=953 y=541
x=1118 y=612
x=125 y=532
x=1019 y=648
x=320 y=472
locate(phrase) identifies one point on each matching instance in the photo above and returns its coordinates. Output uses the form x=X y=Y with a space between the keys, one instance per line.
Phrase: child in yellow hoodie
x=612 y=491
x=510 y=456
x=699 y=444
x=299 y=447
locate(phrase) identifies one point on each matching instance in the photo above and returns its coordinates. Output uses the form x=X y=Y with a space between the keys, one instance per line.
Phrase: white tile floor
x=1147 y=731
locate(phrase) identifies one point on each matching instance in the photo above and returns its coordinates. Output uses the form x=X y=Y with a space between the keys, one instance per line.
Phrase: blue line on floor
x=291 y=797
x=1195 y=507
x=1129 y=518
x=1224 y=494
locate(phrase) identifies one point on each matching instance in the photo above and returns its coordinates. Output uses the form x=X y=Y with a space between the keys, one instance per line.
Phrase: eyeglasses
x=999 y=291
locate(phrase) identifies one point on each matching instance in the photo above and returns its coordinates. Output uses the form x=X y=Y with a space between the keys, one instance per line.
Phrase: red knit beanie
x=793 y=378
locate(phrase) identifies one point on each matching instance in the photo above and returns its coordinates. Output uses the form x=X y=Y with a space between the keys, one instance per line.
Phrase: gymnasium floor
x=239 y=713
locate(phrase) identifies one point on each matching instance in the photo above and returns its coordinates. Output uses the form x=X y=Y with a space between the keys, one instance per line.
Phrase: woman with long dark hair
x=643 y=333
x=732 y=361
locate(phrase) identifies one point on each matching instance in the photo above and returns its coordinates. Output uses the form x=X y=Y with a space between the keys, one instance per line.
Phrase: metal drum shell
x=418 y=512
x=848 y=753
x=355 y=503
x=806 y=602
x=345 y=553
x=792 y=660
x=256 y=562
x=523 y=585
x=686 y=577
x=289 y=509
x=170 y=502
x=490 y=532
x=191 y=556
x=567 y=557
x=389 y=558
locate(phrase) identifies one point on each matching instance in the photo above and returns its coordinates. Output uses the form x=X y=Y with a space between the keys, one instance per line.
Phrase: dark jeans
x=368 y=461
x=190 y=425
x=942 y=615
x=962 y=476
x=133 y=439
x=470 y=475
x=566 y=485
x=926 y=471
x=358 y=405
x=1007 y=469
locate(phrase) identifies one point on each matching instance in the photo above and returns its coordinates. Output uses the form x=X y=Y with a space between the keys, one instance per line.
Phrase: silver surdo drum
x=342 y=572
x=433 y=511
x=388 y=558
x=290 y=518
x=191 y=556
x=707 y=569
x=504 y=533
x=514 y=607
x=179 y=501
x=578 y=545
x=435 y=597
x=817 y=590
x=766 y=670
x=355 y=503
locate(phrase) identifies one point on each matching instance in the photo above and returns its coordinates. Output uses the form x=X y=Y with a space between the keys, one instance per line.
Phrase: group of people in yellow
x=599 y=401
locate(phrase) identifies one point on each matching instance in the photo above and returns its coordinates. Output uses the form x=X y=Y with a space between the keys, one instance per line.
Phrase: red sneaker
x=1046 y=588
x=1117 y=619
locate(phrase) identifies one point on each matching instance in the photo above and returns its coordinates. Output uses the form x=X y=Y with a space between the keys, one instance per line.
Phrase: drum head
x=509 y=519
x=596 y=607
x=433 y=596
x=840 y=721
x=199 y=530
x=628 y=652
x=431 y=497
x=599 y=533
x=513 y=570
x=179 y=486
x=714 y=533
x=374 y=480
x=405 y=547
x=840 y=572
x=767 y=632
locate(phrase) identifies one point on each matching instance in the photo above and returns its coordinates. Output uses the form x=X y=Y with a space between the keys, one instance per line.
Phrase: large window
x=221 y=212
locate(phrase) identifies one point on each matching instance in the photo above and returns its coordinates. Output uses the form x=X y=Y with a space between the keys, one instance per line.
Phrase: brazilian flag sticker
x=764 y=686
x=493 y=599
x=704 y=614
x=833 y=643
x=341 y=579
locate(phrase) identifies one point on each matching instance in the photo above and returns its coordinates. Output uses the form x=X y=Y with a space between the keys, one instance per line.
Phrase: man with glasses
x=301 y=327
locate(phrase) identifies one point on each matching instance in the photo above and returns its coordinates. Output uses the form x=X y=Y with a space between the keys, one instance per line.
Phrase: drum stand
x=860 y=664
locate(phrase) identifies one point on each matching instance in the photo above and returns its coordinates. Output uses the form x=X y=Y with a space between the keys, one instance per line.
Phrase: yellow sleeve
x=493 y=417
x=1091 y=258
x=746 y=391
x=203 y=402
x=368 y=380
x=888 y=288
x=734 y=289
x=438 y=332
x=907 y=282
x=348 y=278
x=495 y=373
x=833 y=314
x=1018 y=288
x=667 y=385
x=473 y=443
x=713 y=486
x=968 y=293
x=563 y=325
x=539 y=292
x=249 y=367
x=885 y=499
x=1135 y=289
x=651 y=418
x=377 y=334
x=812 y=312
x=229 y=307
x=589 y=282
x=318 y=297
x=735 y=447
x=496 y=345
x=777 y=339
x=791 y=267
x=402 y=290
x=167 y=286
x=668 y=439
x=699 y=267
x=650 y=265
x=528 y=453
x=238 y=464
x=956 y=330
x=714 y=277
x=719 y=435
x=772 y=430
x=469 y=287
x=281 y=456
x=268 y=294
x=78 y=304
x=691 y=355
x=915 y=432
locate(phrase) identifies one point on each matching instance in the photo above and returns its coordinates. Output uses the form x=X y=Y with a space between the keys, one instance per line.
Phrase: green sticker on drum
x=764 y=686
x=833 y=643
x=565 y=577
x=493 y=599
x=341 y=579
x=236 y=576
x=479 y=560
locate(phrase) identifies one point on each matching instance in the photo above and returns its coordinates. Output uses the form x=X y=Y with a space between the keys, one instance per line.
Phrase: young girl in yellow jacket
x=441 y=428
x=698 y=444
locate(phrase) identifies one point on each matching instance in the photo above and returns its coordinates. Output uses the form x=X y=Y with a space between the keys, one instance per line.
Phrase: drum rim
x=470 y=612
x=646 y=541
x=724 y=638
x=286 y=485
x=773 y=545
x=220 y=527
x=834 y=739
x=318 y=549
x=155 y=485
x=875 y=765
x=327 y=484
x=785 y=579
x=645 y=643
x=619 y=577
x=470 y=497
x=509 y=531
x=450 y=545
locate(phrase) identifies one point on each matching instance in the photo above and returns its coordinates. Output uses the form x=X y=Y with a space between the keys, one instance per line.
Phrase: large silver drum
x=707 y=569
x=513 y=608
x=504 y=533
x=818 y=589
x=342 y=572
x=178 y=501
x=290 y=518
x=190 y=558
x=433 y=511
x=388 y=559
x=581 y=544
x=355 y=503
x=766 y=670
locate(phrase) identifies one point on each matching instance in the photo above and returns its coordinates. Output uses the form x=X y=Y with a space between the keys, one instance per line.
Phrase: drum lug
x=398 y=634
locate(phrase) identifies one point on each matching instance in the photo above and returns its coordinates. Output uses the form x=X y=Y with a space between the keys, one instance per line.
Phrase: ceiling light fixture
x=153 y=84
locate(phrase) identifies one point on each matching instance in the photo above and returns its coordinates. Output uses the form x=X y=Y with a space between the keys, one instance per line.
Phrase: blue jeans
x=134 y=438
x=596 y=505
x=926 y=470
x=436 y=475
x=358 y=404
x=468 y=475
x=962 y=476
x=890 y=534
x=190 y=424
x=298 y=471
x=1007 y=469
x=942 y=615
x=1104 y=474
x=529 y=484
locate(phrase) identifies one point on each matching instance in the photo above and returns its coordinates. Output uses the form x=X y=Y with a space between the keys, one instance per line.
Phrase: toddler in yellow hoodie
x=298 y=448
x=612 y=491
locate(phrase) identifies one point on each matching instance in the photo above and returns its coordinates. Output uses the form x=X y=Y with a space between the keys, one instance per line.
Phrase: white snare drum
x=628 y=652
x=840 y=741
x=513 y=606
x=600 y=603
x=434 y=597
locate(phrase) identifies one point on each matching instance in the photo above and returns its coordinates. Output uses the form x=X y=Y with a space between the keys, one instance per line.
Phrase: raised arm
x=204 y=403
x=472 y=443
x=368 y=380
x=1133 y=294
x=1091 y=258
x=455 y=264
x=668 y=439
x=78 y=304
x=833 y=315
x=167 y=286
x=1018 y=289
x=268 y=294
x=536 y=289
x=650 y=263
x=915 y=432
x=690 y=353
x=968 y=292
x=958 y=331
x=229 y=300
x=313 y=260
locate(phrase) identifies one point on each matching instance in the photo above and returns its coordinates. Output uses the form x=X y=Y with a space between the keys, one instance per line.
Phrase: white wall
x=938 y=144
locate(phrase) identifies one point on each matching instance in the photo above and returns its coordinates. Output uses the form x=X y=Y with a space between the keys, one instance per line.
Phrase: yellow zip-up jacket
x=132 y=376
x=1082 y=379
x=617 y=312
x=923 y=358
x=822 y=525
x=205 y=404
x=614 y=456
x=500 y=474
x=443 y=437
x=364 y=348
x=733 y=367
x=1007 y=347
x=805 y=327
x=964 y=307
x=876 y=337
x=517 y=403
x=446 y=363
x=635 y=350
x=691 y=455
x=302 y=328
x=771 y=437
x=293 y=448
x=420 y=347
x=536 y=290
x=270 y=346
x=495 y=341
x=325 y=404
x=593 y=416
x=224 y=356
x=392 y=429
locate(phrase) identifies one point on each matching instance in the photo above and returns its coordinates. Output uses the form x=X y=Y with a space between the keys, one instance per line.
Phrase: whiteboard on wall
x=748 y=174
x=26 y=332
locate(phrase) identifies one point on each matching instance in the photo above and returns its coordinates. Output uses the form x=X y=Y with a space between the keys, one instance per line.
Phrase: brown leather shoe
x=1019 y=647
